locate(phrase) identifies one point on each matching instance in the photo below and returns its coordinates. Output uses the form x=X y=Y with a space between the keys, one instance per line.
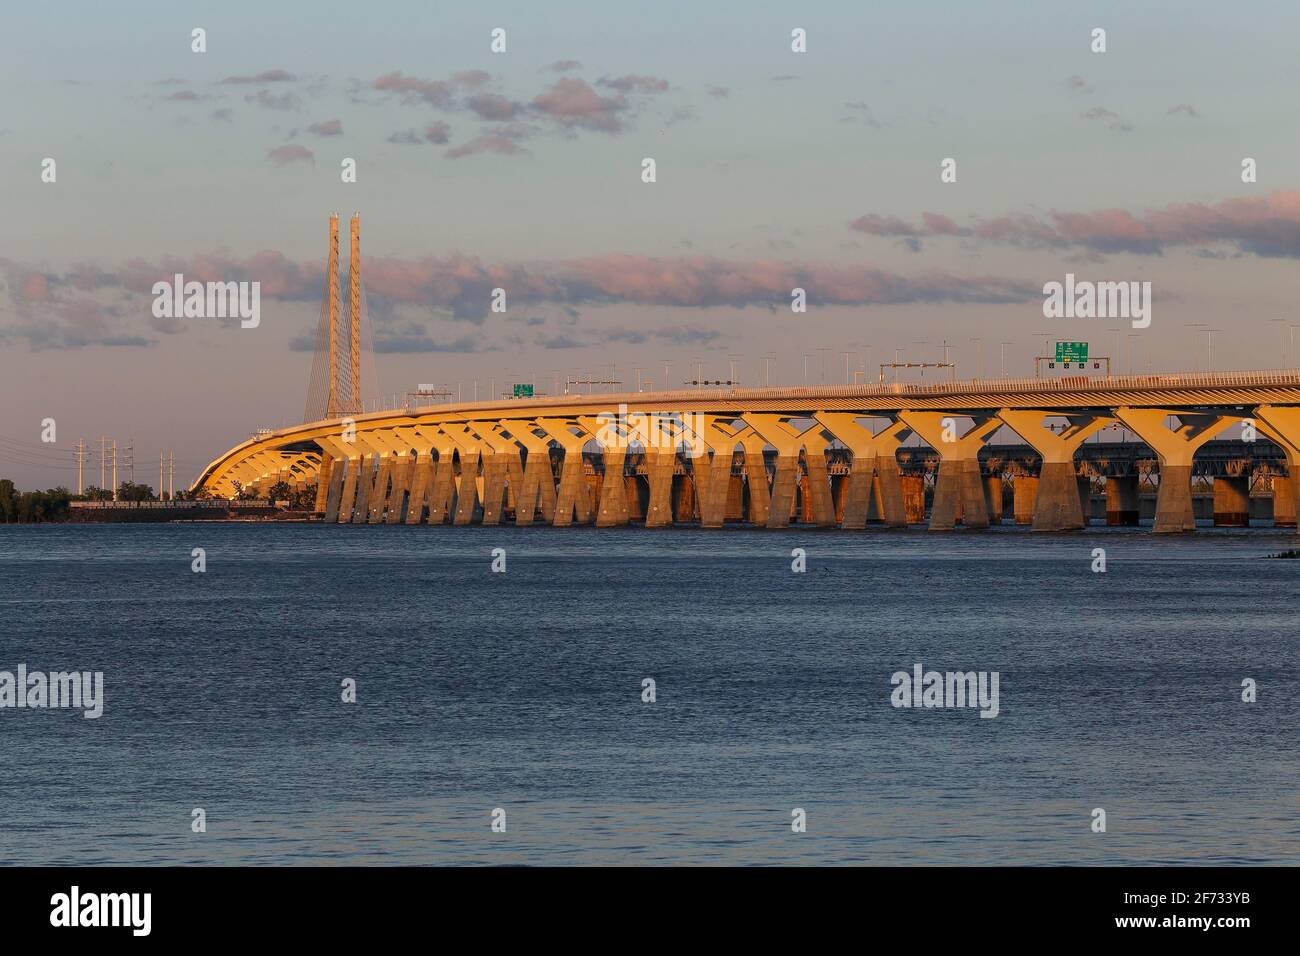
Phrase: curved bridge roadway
x=526 y=455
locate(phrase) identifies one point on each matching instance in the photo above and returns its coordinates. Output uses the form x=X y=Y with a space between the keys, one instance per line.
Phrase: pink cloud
x=1264 y=226
x=572 y=102
x=291 y=153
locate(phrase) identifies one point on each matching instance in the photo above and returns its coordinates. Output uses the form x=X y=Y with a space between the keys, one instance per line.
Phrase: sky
x=522 y=170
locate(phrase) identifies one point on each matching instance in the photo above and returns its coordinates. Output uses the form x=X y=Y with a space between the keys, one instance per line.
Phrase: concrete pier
x=1232 y=502
x=1123 y=506
x=1025 y=491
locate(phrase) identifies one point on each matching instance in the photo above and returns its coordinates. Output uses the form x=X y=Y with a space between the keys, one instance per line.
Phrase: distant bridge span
x=673 y=452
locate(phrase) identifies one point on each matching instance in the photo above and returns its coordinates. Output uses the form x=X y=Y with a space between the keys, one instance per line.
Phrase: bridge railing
x=986 y=386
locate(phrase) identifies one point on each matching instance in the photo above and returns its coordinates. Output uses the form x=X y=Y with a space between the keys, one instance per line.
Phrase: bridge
x=836 y=456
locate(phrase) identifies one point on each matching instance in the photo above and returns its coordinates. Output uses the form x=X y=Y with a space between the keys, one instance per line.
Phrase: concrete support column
x=421 y=484
x=348 y=494
x=537 y=495
x=1232 y=502
x=660 y=465
x=536 y=480
x=783 y=491
x=400 y=474
x=1284 y=502
x=789 y=442
x=756 y=478
x=684 y=499
x=467 y=498
x=502 y=473
x=713 y=484
x=573 y=499
x=613 y=511
x=1026 y=496
x=993 y=497
x=1058 y=499
x=855 y=493
x=1174 y=500
x=327 y=464
x=874 y=468
x=1175 y=449
x=1057 y=506
x=1282 y=424
x=379 y=490
x=821 y=503
x=365 y=487
x=494 y=486
x=442 y=494
x=890 y=497
x=912 y=492
x=959 y=468
x=335 y=492
x=1123 y=502
x=1085 y=497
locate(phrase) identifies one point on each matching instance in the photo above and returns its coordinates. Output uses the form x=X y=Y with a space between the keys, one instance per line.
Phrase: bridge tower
x=333 y=408
x=354 y=305
x=334 y=390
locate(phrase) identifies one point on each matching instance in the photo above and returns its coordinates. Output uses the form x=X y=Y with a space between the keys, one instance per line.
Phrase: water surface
x=522 y=690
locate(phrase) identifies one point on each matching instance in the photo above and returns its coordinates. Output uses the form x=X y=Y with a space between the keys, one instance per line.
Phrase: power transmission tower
x=81 y=460
x=171 y=476
x=114 y=469
x=130 y=460
x=160 y=475
x=103 y=460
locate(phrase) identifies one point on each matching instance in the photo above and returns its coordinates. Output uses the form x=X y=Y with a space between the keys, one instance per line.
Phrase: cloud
x=88 y=305
x=438 y=133
x=492 y=106
x=413 y=90
x=185 y=96
x=490 y=143
x=423 y=343
x=1186 y=109
x=572 y=102
x=564 y=66
x=1267 y=226
x=1111 y=119
x=223 y=115
x=291 y=153
x=283 y=101
x=267 y=76
x=560 y=340
x=634 y=83
x=327 y=128
x=864 y=114
x=1077 y=84
x=718 y=92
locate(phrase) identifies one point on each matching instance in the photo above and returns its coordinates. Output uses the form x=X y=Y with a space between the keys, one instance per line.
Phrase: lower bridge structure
x=838 y=456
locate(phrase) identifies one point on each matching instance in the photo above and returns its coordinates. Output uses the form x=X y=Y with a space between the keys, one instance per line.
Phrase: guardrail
x=214 y=503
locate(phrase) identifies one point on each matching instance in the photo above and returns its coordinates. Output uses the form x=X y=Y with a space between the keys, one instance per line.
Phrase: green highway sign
x=1071 y=351
x=523 y=391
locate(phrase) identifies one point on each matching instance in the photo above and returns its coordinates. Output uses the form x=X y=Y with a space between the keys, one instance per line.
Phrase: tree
x=128 y=491
x=7 y=506
x=280 y=491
